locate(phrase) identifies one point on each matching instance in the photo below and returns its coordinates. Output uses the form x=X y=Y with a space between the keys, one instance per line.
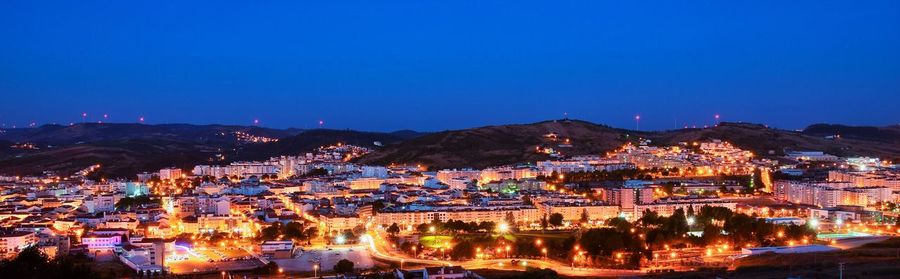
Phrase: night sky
x=435 y=65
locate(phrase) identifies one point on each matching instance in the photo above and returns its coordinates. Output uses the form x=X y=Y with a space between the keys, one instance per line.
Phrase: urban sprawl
x=635 y=210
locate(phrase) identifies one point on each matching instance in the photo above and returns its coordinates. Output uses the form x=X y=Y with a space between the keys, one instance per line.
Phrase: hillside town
x=639 y=209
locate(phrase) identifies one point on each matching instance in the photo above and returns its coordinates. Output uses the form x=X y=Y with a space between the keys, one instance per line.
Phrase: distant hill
x=312 y=139
x=496 y=145
x=125 y=149
x=890 y=134
x=94 y=132
x=510 y=144
x=763 y=140
x=121 y=158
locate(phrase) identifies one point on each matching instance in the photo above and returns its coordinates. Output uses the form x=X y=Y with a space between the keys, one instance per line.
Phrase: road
x=379 y=250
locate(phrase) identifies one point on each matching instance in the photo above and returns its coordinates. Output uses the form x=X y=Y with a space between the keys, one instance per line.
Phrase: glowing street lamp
x=503 y=227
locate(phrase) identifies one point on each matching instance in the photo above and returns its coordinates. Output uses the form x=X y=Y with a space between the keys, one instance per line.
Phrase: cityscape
x=444 y=141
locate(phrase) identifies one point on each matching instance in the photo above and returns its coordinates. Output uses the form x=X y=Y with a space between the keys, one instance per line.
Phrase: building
x=830 y=194
x=822 y=194
x=628 y=195
x=446 y=272
x=277 y=249
x=170 y=174
x=11 y=242
x=418 y=214
x=101 y=241
x=573 y=211
x=813 y=156
x=668 y=207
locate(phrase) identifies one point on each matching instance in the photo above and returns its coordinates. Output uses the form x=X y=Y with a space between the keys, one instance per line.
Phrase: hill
x=766 y=141
x=312 y=139
x=94 y=132
x=498 y=145
x=126 y=149
x=890 y=134
x=510 y=144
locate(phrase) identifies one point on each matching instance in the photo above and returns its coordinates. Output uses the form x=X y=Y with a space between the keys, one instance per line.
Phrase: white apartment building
x=573 y=211
x=170 y=174
x=415 y=215
x=11 y=242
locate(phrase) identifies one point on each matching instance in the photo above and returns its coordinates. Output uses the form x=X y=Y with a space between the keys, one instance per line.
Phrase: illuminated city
x=448 y=140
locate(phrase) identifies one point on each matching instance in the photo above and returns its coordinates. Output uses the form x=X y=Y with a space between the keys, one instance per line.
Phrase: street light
x=544 y=251
x=503 y=227
x=315 y=270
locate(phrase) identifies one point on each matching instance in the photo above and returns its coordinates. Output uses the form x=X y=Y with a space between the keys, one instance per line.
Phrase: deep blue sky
x=434 y=65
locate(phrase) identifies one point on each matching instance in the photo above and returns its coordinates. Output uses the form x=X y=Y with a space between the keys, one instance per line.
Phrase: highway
x=378 y=247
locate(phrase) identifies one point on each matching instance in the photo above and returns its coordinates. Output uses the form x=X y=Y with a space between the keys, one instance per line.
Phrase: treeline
x=33 y=264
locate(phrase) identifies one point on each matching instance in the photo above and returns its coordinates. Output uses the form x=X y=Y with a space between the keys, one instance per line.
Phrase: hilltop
x=126 y=149
x=510 y=144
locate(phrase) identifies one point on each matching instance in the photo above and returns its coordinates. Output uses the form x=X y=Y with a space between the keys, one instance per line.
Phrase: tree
x=527 y=200
x=510 y=219
x=535 y=273
x=394 y=229
x=486 y=226
x=463 y=250
x=556 y=219
x=619 y=223
x=423 y=228
x=271 y=232
x=710 y=234
x=343 y=266
x=378 y=206
x=603 y=241
x=649 y=219
x=584 y=216
x=316 y=172
x=544 y=222
x=32 y=263
x=677 y=223
x=310 y=232
x=294 y=230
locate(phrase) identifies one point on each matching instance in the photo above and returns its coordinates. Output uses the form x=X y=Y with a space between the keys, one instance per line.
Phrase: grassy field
x=435 y=241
